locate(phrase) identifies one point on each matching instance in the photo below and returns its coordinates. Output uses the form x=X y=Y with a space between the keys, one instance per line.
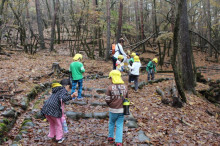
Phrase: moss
x=6 y=121
x=36 y=105
x=24 y=122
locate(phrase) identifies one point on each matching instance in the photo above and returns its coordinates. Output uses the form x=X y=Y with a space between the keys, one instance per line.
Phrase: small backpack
x=112 y=51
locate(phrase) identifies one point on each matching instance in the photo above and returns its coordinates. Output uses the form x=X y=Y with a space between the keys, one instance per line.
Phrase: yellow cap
x=116 y=77
x=136 y=59
x=77 y=57
x=120 y=57
x=56 y=85
x=133 y=54
x=155 y=60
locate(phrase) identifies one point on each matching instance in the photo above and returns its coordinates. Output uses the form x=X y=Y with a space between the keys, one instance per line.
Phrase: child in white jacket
x=135 y=69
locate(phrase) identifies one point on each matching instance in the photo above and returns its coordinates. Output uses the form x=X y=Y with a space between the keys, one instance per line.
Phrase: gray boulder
x=74 y=115
x=9 y=113
x=31 y=124
x=101 y=91
x=98 y=104
x=88 y=115
x=131 y=124
x=142 y=137
x=102 y=115
x=24 y=103
x=1 y=107
x=99 y=96
x=79 y=102
x=38 y=115
x=18 y=137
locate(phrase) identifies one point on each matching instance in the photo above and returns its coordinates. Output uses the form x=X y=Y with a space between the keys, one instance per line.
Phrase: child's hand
x=75 y=94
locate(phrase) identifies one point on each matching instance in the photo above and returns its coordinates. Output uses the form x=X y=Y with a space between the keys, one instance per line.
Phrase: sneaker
x=61 y=140
x=119 y=144
x=111 y=140
x=79 y=98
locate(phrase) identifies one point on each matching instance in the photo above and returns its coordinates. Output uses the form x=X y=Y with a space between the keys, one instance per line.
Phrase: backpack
x=112 y=51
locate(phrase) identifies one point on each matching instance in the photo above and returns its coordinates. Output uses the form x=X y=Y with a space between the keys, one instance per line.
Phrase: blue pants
x=150 y=73
x=80 y=85
x=118 y=119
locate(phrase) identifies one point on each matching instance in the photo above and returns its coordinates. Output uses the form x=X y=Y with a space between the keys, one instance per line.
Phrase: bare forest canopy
x=33 y=25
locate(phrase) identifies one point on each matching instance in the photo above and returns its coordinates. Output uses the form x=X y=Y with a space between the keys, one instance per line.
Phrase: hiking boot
x=61 y=140
x=111 y=140
x=118 y=144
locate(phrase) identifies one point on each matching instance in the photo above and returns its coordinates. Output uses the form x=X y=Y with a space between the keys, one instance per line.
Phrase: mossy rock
x=6 y=121
x=35 y=91
x=24 y=122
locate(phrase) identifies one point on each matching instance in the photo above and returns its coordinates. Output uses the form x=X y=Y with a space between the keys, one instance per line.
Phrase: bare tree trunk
x=209 y=25
x=120 y=20
x=39 y=24
x=48 y=11
x=142 y=24
x=136 y=8
x=1 y=21
x=58 y=23
x=28 y=19
x=53 y=26
x=175 y=50
x=186 y=50
x=108 y=30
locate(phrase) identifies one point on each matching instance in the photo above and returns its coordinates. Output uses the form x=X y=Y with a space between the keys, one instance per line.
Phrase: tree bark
x=107 y=55
x=209 y=25
x=39 y=24
x=175 y=50
x=120 y=20
x=136 y=8
x=142 y=24
x=53 y=26
x=1 y=21
x=185 y=50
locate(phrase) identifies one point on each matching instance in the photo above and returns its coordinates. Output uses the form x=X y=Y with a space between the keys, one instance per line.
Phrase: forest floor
x=162 y=124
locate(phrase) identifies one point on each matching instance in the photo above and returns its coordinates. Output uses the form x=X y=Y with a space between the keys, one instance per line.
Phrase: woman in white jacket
x=135 y=69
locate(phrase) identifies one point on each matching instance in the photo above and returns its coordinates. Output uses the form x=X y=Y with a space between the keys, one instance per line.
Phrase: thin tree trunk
x=136 y=8
x=142 y=24
x=107 y=56
x=39 y=24
x=120 y=20
x=1 y=21
x=209 y=25
x=48 y=11
x=53 y=26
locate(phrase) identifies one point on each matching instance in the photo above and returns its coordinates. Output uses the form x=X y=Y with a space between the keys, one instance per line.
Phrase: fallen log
x=164 y=100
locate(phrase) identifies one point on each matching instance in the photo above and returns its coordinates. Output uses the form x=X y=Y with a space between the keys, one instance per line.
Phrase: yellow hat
x=133 y=54
x=136 y=59
x=56 y=85
x=116 y=77
x=155 y=60
x=77 y=57
x=120 y=56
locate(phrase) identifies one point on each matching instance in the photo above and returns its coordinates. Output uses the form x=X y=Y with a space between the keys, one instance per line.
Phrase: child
x=151 y=69
x=115 y=103
x=53 y=110
x=131 y=60
x=77 y=70
x=119 y=63
x=135 y=71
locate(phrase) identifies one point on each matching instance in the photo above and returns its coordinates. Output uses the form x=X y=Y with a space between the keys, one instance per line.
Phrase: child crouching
x=53 y=108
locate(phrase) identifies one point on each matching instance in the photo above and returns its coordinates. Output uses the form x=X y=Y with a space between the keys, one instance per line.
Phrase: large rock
x=79 y=102
x=129 y=118
x=142 y=137
x=18 y=137
x=1 y=107
x=88 y=115
x=98 y=104
x=99 y=96
x=9 y=113
x=102 y=115
x=74 y=115
x=38 y=115
x=140 y=85
x=131 y=124
x=31 y=124
x=24 y=103
x=101 y=91
x=87 y=95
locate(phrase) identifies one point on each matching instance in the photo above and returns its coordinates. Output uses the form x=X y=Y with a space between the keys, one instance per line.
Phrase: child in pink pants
x=53 y=109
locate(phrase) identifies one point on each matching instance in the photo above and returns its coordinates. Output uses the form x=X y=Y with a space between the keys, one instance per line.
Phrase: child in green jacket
x=151 y=69
x=77 y=70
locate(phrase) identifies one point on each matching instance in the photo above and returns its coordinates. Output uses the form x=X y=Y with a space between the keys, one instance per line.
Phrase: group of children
x=53 y=108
